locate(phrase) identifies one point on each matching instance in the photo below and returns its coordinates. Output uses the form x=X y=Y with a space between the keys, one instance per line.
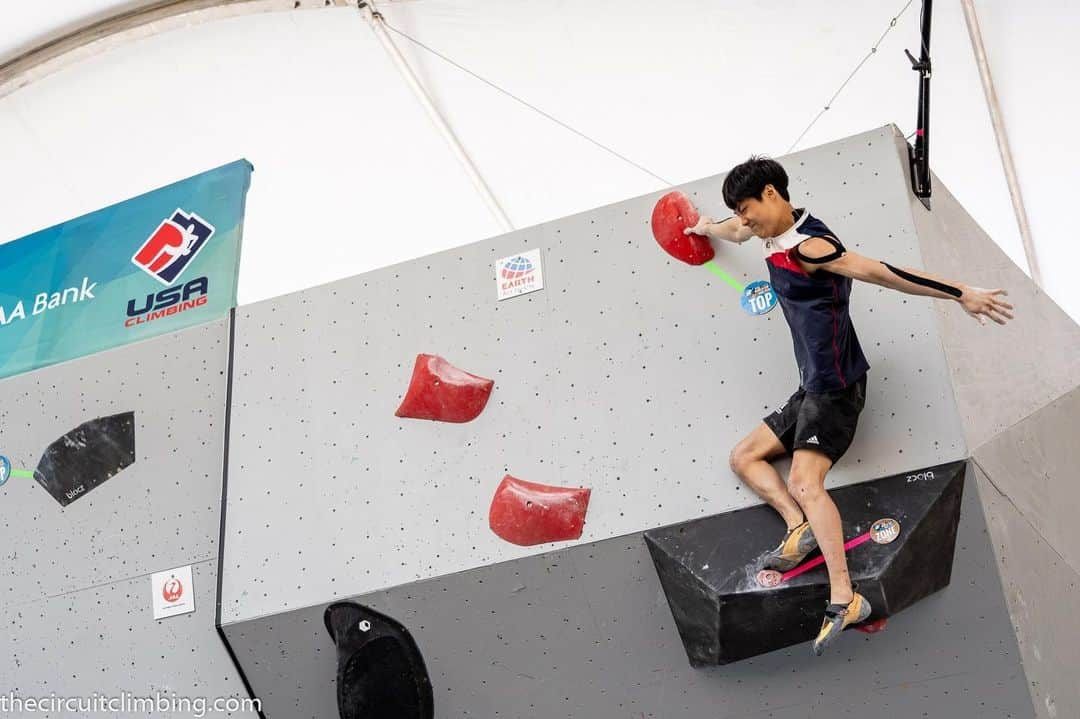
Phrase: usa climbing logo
x=172 y=246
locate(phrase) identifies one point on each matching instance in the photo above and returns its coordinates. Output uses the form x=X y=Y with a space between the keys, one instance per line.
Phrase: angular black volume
x=87 y=456
x=381 y=673
x=708 y=566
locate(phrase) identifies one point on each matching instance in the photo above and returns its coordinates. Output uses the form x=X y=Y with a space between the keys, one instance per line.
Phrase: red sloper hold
x=527 y=513
x=878 y=625
x=674 y=213
x=441 y=391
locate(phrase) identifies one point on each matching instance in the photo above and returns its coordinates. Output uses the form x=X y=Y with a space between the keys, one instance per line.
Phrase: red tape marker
x=883 y=531
x=819 y=560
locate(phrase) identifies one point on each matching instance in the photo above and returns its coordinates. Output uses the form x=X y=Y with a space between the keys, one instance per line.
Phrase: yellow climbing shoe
x=794 y=547
x=839 y=617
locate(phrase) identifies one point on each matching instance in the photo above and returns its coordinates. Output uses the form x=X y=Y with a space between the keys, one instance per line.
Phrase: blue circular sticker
x=5 y=469
x=758 y=297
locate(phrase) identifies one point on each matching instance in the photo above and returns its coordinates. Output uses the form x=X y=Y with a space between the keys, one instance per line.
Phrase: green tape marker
x=715 y=269
x=24 y=473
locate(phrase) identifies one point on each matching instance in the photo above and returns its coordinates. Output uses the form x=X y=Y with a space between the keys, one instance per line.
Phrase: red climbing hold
x=878 y=625
x=674 y=213
x=441 y=391
x=527 y=513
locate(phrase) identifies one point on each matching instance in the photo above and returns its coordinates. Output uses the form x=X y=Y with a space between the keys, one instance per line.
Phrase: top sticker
x=758 y=297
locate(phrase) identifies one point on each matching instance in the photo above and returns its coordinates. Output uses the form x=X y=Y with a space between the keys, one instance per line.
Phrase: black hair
x=748 y=180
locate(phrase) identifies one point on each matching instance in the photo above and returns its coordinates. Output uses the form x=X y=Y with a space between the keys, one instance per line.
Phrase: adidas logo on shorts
x=813 y=440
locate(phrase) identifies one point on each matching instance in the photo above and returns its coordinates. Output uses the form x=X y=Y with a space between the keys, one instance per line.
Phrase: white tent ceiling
x=26 y=24
x=684 y=89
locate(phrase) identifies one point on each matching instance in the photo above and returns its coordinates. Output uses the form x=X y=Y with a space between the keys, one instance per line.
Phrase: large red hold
x=674 y=213
x=441 y=391
x=527 y=513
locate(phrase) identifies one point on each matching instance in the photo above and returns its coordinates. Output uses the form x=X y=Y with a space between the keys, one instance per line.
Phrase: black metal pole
x=920 y=154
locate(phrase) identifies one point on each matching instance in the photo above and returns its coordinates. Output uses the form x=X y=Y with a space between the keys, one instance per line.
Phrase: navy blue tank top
x=816 y=309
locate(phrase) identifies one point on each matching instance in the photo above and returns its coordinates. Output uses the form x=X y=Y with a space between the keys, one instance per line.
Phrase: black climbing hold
x=381 y=673
x=87 y=456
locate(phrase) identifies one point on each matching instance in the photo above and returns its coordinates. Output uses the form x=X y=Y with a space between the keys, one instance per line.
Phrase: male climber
x=811 y=273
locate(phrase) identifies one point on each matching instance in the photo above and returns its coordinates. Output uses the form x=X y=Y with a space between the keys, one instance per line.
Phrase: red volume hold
x=442 y=392
x=526 y=513
x=674 y=213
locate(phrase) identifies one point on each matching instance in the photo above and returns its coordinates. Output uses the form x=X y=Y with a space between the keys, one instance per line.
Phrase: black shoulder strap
x=837 y=253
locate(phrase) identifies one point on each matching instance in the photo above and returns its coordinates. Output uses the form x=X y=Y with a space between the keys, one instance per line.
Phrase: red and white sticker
x=519 y=274
x=173 y=593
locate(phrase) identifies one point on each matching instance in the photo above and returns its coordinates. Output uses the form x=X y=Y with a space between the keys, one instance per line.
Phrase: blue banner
x=151 y=265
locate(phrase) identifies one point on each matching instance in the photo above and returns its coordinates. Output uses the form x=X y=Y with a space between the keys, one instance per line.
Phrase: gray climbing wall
x=629 y=373
x=1018 y=391
x=1000 y=374
x=77 y=611
x=1028 y=476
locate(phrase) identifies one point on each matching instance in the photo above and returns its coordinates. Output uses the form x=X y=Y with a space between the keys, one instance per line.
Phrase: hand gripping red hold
x=674 y=213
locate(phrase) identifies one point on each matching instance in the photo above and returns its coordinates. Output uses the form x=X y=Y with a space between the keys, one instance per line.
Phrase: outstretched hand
x=982 y=303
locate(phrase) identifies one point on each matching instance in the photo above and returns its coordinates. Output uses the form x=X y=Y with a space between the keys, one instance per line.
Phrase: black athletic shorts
x=824 y=421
